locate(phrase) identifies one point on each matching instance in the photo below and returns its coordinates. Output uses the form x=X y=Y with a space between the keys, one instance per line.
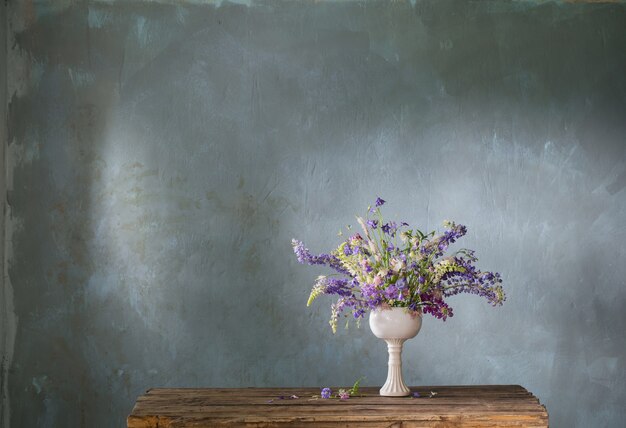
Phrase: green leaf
x=355 y=388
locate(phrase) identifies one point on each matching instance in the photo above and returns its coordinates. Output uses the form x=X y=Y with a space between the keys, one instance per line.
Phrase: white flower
x=396 y=264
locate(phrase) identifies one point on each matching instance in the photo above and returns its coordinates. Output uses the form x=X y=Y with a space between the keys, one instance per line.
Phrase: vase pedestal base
x=394 y=386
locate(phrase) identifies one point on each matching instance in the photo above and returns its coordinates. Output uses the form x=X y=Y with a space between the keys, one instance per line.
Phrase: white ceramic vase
x=395 y=326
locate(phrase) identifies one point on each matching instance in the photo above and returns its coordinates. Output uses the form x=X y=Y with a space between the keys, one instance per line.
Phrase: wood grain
x=453 y=406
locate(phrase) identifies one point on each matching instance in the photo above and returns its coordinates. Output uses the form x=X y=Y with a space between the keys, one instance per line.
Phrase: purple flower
x=390 y=228
x=326 y=393
x=305 y=257
x=337 y=286
x=372 y=223
x=435 y=306
x=391 y=292
x=415 y=394
x=359 y=313
x=347 y=250
x=380 y=202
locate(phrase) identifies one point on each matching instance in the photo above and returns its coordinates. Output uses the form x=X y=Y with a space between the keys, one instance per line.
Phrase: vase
x=395 y=326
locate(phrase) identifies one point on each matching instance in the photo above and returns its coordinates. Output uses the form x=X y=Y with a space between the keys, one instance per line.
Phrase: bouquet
x=387 y=264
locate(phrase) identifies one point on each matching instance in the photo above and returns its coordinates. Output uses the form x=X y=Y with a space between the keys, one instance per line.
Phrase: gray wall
x=6 y=298
x=162 y=155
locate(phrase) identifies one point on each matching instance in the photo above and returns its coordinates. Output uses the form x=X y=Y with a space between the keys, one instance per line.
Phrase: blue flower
x=326 y=393
x=390 y=228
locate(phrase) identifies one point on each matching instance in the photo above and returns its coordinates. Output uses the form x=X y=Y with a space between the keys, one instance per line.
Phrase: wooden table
x=452 y=406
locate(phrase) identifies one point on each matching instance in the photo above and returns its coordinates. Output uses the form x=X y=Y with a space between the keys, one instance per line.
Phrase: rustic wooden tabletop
x=450 y=406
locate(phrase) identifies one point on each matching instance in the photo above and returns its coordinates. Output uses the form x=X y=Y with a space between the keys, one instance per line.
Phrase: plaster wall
x=6 y=298
x=163 y=154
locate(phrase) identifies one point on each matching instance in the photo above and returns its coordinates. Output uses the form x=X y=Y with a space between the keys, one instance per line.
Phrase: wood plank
x=453 y=406
x=310 y=422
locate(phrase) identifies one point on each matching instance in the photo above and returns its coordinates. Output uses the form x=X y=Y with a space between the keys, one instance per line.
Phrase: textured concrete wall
x=163 y=154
